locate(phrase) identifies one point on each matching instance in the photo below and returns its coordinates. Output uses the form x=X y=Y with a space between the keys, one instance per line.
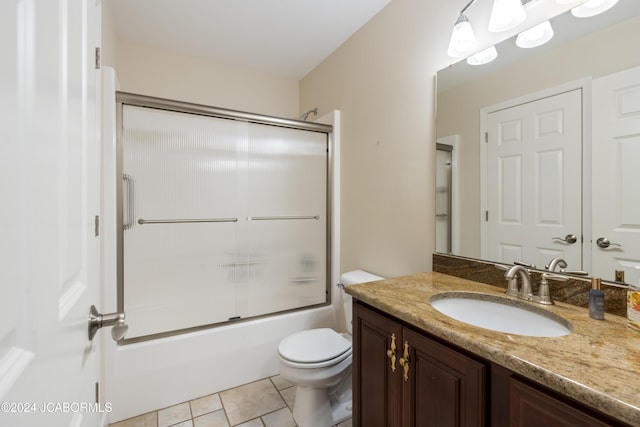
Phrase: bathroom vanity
x=414 y=366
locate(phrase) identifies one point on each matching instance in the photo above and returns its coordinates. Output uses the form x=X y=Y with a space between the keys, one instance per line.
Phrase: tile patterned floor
x=264 y=403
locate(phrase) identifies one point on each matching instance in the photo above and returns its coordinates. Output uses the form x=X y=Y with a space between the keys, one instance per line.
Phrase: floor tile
x=280 y=418
x=205 y=405
x=265 y=403
x=280 y=382
x=213 y=419
x=251 y=401
x=252 y=423
x=289 y=396
x=146 y=420
x=174 y=415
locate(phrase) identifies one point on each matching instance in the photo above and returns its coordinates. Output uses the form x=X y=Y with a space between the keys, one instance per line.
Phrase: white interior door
x=616 y=195
x=534 y=154
x=48 y=279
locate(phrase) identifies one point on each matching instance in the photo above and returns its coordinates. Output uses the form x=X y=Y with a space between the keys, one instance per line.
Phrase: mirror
x=583 y=51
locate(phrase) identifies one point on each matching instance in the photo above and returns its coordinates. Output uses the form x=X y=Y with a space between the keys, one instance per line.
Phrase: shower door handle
x=130 y=208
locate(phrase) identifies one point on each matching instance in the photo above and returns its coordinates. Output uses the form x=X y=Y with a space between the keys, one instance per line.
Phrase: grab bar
x=183 y=221
x=277 y=218
x=128 y=224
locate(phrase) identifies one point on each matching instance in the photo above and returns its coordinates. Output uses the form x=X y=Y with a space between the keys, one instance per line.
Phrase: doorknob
x=569 y=238
x=97 y=321
x=604 y=243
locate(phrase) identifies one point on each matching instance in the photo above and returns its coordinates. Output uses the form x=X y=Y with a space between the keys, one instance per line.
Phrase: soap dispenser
x=596 y=299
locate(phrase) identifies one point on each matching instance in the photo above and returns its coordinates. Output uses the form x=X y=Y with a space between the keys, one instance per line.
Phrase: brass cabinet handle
x=404 y=361
x=391 y=353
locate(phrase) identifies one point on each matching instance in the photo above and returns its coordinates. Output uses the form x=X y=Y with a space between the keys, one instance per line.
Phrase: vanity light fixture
x=506 y=15
x=483 y=57
x=463 y=40
x=592 y=8
x=535 y=36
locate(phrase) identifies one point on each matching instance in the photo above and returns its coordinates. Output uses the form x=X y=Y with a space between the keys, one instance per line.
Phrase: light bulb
x=483 y=57
x=593 y=8
x=535 y=36
x=463 y=40
x=506 y=15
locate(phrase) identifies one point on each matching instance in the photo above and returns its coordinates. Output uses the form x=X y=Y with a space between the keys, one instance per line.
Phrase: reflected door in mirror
x=534 y=181
x=616 y=195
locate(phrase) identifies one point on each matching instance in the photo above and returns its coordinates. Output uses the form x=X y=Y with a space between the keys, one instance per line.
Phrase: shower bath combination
x=221 y=219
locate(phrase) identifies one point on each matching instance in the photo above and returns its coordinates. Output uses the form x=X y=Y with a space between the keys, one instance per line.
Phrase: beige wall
x=163 y=73
x=382 y=79
x=459 y=108
x=109 y=42
x=158 y=72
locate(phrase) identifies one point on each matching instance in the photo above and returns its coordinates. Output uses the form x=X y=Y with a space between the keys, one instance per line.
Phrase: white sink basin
x=501 y=314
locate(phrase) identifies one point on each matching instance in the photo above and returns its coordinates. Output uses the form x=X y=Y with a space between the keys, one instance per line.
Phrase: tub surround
x=572 y=291
x=597 y=364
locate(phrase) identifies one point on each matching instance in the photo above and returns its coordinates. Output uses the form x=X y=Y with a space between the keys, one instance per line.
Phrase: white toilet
x=318 y=361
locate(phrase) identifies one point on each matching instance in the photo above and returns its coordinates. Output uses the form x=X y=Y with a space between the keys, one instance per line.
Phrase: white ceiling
x=282 y=37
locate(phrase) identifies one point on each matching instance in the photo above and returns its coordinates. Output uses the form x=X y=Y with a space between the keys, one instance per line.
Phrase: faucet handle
x=524 y=264
x=544 y=295
x=557 y=277
x=575 y=272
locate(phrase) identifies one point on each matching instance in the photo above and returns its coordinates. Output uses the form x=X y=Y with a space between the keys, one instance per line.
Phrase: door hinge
x=96 y=222
x=486 y=137
x=97 y=58
x=486 y=216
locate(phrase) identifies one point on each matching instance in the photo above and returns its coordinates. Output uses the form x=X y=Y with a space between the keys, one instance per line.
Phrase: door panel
x=49 y=169
x=616 y=150
x=529 y=407
x=534 y=180
x=376 y=380
x=446 y=388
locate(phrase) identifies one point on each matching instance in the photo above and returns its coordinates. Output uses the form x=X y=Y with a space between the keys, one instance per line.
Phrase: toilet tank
x=351 y=278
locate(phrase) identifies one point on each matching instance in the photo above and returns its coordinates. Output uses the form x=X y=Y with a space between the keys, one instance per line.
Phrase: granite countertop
x=598 y=364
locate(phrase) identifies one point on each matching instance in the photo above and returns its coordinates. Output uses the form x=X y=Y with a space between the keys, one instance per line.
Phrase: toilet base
x=341 y=412
x=313 y=408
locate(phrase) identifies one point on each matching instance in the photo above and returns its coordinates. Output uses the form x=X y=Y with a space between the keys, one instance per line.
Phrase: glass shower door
x=287 y=227
x=222 y=219
x=180 y=219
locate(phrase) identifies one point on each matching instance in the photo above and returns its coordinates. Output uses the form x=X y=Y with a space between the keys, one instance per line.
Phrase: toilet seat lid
x=314 y=346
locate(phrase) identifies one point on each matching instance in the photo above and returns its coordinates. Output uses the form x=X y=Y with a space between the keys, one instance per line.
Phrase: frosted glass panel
x=223 y=219
x=183 y=167
x=286 y=185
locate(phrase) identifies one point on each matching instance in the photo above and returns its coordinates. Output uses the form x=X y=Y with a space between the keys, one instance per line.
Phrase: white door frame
x=585 y=86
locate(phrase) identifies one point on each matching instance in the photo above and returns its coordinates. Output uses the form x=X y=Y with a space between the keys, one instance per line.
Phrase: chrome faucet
x=556 y=262
x=524 y=291
x=559 y=262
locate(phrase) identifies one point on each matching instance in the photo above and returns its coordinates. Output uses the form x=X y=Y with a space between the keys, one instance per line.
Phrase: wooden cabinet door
x=530 y=407
x=377 y=386
x=444 y=388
